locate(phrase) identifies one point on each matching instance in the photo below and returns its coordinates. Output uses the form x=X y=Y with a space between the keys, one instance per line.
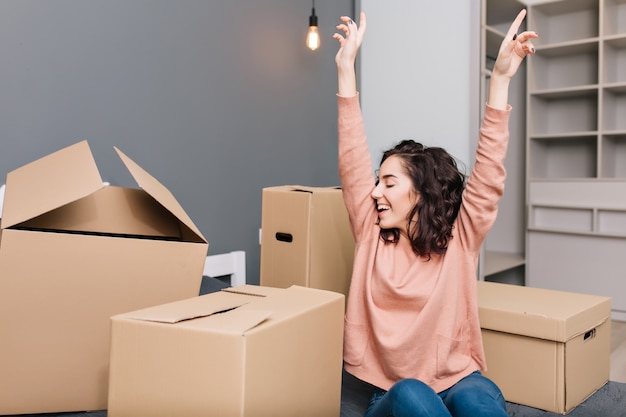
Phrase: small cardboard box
x=245 y=351
x=74 y=252
x=545 y=349
x=306 y=238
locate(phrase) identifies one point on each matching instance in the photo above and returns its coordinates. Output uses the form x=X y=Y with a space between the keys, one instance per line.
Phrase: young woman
x=412 y=326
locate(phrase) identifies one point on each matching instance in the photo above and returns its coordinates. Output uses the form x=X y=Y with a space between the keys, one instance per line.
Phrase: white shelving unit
x=576 y=149
x=503 y=257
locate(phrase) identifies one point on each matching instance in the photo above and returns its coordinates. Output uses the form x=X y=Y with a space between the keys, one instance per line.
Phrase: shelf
x=577 y=47
x=614 y=17
x=496 y=262
x=591 y=135
x=569 y=66
x=498 y=17
x=499 y=14
x=614 y=134
x=617 y=88
x=564 y=21
x=614 y=109
x=493 y=42
x=562 y=219
x=577 y=233
x=615 y=60
x=611 y=223
x=563 y=157
x=588 y=221
x=578 y=91
x=563 y=112
x=601 y=194
x=613 y=155
x=618 y=41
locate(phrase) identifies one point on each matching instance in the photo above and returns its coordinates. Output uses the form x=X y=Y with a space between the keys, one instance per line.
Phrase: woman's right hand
x=345 y=58
x=350 y=42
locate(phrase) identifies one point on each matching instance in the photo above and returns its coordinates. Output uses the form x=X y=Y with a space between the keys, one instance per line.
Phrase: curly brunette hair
x=439 y=183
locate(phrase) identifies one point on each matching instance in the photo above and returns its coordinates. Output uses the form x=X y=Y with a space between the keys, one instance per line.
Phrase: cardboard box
x=74 y=252
x=306 y=238
x=545 y=349
x=245 y=351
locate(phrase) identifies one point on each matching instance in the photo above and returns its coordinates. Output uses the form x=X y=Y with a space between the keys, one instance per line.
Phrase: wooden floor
x=618 y=351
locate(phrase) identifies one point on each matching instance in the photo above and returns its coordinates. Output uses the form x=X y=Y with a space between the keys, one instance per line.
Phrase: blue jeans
x=474 y=395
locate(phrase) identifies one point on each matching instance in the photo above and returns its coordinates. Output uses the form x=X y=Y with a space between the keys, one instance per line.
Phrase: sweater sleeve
x=355 y=165
x=485 y=184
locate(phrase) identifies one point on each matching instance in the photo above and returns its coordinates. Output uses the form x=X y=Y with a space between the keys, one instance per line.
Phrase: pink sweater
x=408 y=317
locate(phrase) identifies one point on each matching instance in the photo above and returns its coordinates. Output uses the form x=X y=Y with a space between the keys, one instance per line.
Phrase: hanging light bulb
x=313 y=36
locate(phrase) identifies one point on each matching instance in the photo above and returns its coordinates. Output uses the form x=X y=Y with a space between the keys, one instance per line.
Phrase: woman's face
x=394 y=195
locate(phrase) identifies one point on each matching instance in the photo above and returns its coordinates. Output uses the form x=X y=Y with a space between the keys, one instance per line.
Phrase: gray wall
x=216 y=99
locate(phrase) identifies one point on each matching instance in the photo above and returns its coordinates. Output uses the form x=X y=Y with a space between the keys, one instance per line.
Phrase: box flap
x=306 y=188
x=191 y=308
x=540 y=313
x=292 y=302
x=237 y=321
x=112 y=211
x=217 y=312
x=255 y=290
x=50 y=182
x=157 y=191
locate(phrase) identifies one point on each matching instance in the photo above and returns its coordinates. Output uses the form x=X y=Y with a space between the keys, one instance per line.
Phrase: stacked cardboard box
x=545 y=349
x=245 y=351
x=306 y=238
x=74 y=252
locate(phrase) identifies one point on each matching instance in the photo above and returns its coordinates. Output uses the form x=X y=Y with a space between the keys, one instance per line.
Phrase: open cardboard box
x=306 y=238
x=74 y=252
x=245 y=351
x=545 y=349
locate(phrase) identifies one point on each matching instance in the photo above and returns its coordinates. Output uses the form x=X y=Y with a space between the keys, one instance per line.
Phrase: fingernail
x=532 y=49
x=515 y=36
